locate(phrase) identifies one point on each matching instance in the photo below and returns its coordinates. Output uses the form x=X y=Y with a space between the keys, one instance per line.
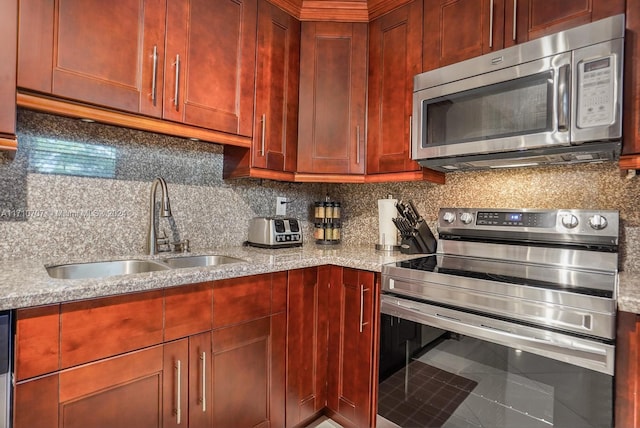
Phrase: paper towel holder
x=384 y=246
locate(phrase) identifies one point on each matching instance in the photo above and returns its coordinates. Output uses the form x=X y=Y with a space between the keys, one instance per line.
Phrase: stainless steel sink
x=197 y=261
x=104 y=269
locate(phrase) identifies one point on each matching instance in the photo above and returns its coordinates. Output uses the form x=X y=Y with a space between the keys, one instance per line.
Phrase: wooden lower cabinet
x=351 y=346
x=627 y=404
x=208 y=371
x=330 y=366
x=120 y=391
x=307 y=344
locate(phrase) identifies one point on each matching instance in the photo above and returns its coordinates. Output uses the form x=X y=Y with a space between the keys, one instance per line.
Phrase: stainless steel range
x=524 y=296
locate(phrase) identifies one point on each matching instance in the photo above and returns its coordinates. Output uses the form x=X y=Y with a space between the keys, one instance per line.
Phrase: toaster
x=274 y=232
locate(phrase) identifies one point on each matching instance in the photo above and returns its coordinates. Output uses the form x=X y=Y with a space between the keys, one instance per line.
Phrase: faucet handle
x=163 y=241
x=181 y=246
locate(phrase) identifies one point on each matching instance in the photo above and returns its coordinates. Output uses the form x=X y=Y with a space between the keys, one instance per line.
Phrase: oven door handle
x=573 y=350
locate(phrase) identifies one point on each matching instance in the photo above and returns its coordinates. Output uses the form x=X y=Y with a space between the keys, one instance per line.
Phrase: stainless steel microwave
x=553 y=100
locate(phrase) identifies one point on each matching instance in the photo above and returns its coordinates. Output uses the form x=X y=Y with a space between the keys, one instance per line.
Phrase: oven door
x=515 y=108
x=444 y=368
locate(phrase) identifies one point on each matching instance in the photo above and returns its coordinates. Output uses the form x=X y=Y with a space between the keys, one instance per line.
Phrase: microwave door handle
x=564 y=74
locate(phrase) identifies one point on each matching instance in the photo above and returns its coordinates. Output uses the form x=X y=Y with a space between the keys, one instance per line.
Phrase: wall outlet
x=281 y=206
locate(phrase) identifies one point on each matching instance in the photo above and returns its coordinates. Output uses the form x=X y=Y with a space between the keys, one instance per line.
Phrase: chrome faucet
x=165 y=211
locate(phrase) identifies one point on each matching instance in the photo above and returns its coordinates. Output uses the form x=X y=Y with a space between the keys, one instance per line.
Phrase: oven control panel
x=518 y=224
x=525 y=219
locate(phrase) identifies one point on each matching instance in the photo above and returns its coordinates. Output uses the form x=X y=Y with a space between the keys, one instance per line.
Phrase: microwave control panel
x=596 y=80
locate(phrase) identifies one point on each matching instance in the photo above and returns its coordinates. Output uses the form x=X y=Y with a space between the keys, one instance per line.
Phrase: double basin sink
x=124 y=267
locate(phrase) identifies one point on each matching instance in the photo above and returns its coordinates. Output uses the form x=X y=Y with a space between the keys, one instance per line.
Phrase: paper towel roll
x=388 y=234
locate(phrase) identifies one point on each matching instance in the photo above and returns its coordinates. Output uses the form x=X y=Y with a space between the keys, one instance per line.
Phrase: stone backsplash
x=82 y=189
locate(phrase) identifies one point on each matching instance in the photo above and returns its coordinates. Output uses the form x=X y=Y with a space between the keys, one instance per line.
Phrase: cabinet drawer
x=241 y=299
x=37 y=341
x=187 y=311
x=100 y=328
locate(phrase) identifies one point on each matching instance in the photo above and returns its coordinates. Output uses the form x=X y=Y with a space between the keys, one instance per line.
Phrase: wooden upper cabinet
x=536 y=18
x=455 y=30
x=395 y=56
x=94 y=51
x=631 y=102
x=8 y=35
x=275 y=131
x=210 y=64
x=333 y=76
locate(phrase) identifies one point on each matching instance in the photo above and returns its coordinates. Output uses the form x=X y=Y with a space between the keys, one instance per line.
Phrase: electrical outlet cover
x=281 y=206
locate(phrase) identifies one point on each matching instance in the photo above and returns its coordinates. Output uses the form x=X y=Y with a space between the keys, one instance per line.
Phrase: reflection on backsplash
x=82 y=189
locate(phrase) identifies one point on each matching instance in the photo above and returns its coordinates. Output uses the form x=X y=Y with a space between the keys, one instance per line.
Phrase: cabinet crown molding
x=338 y=11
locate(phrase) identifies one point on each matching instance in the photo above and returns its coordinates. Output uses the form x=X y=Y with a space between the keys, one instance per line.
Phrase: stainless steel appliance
x=553 y=100
x=274 y=232
x=515 y=313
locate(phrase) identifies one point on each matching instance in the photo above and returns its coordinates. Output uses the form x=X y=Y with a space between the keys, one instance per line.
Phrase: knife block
x=421 y=242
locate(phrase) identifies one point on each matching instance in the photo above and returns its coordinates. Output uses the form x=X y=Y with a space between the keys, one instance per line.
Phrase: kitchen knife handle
x=176 y=93
x=203 y=358
x=178 y=392
x=154 y=77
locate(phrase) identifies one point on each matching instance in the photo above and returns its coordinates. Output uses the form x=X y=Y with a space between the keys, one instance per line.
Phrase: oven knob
x=597 y=222
x=569 y=221
x=466 y=218
x=449 y=217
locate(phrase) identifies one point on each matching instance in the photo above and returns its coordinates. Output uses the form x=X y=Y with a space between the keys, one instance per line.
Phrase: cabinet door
x=628 y=371
x=537 y=18
x=455 y=30
x=8 y=35
x=94 y=51
x=351 y=346
x=175 y=386
x=275 y=142
x=35 y=403
x=307 y=343
x=631 y=102
x=395 y=56
x=125 y=391
x=200 y=381
x=333 y=75
x=210 y=64
x=241 y=375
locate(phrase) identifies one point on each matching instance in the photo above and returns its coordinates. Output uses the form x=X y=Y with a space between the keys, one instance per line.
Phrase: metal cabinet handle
x=358 y=144
x=154 y=78
x=410 y=134
x=563 y=97
x=177 y=90
x=362 y=323
x=491 y=24
x=264 y=131
x=515 y=19
x=178 y=392
x=203 y=358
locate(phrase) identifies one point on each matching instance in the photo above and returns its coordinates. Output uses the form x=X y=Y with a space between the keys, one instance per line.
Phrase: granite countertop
x=25 y=283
